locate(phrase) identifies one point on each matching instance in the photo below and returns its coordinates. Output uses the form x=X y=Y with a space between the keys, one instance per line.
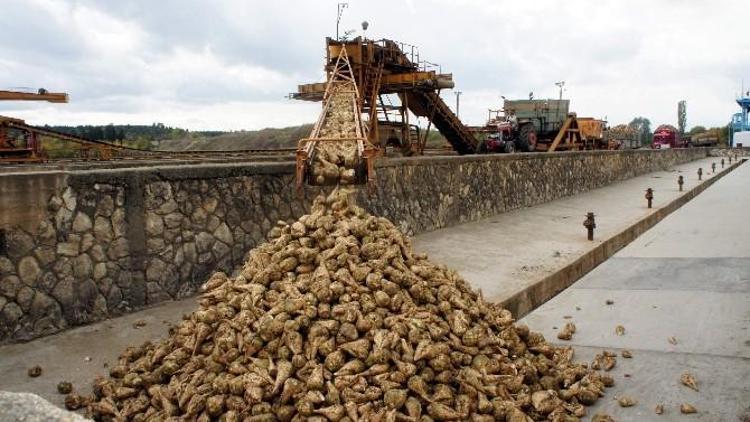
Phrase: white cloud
x=227 y=64
x=195 y=70
x=232 y=115
x=106 y=36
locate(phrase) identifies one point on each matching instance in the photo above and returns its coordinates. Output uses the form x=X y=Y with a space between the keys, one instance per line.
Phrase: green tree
x=109 y=133
x=697 y=129
x=723 y=134
x=642 y=126
x=681 y=117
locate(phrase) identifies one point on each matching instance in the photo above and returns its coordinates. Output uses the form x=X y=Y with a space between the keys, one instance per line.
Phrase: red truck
x=667 y=136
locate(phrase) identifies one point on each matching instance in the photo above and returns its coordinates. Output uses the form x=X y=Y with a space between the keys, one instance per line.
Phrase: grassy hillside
x=160 y=137
x=257 y=139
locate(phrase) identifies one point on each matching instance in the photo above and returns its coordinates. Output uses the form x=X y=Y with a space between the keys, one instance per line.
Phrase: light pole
x=560 y=85
x=458 y=95
x=340 y=10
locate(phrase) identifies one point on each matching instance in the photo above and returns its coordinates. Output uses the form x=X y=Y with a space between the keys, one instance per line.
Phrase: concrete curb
x=533 y=296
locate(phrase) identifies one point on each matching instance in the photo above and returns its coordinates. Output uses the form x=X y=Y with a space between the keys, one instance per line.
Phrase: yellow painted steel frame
x=570 y=132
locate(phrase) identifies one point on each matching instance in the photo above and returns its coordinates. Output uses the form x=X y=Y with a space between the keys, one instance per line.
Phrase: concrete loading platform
x=688 y=279
x=523 y=257
x=526 y=246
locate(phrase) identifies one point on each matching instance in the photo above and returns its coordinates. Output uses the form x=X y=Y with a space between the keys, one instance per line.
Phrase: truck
x=667 y=136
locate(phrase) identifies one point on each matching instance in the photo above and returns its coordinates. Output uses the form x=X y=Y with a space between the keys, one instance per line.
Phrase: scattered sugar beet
x=687 y=408
x=688 y=380
x=336 y=318
x=626 y=401
x=605 y=360
x=34 y=371
x=64 y=387
x=567 y=331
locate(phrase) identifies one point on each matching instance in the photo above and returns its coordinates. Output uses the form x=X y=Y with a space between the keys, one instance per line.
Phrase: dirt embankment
x=256 y=139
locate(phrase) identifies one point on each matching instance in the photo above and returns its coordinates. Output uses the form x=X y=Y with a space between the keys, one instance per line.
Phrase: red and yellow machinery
x=20 y=142
x=538 y=125
x=17 y=143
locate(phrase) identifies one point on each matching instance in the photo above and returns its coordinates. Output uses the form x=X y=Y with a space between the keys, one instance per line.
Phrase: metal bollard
x=722 y=163
x=649 y=196
x=590 y=225
x=713 y=167
x=700 y=172
x=680 y=181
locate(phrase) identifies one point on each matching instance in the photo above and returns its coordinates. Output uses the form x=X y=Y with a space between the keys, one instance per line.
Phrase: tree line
x=114 y=133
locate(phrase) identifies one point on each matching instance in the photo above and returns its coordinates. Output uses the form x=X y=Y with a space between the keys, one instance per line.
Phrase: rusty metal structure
x=41 y=95
x=18 y=141
x=379 y=68
x=341 y=87
x=22 y=143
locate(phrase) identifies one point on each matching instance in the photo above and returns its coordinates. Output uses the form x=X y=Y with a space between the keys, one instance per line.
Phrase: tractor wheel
x=509 y=148
x=526 y=138
x=481 y=147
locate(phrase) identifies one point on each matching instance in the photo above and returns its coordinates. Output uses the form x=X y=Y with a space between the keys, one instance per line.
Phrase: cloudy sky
x=228 y=64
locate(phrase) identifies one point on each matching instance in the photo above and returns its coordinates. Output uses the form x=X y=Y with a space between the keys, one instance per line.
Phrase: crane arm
x=53 y=97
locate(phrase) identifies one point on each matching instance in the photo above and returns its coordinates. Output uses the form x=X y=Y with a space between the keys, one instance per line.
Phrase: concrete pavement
x=506 y=253
x=80 y=354
x=687 y=278
x=501 y=255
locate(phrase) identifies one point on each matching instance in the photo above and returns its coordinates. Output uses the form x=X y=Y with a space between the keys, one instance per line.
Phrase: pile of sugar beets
x=336 y=318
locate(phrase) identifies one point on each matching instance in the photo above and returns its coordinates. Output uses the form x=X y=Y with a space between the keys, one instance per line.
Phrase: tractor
x=505 y=134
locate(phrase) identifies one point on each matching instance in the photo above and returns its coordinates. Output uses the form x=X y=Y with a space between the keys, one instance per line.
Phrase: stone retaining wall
x=105 y=242
x=730 y=152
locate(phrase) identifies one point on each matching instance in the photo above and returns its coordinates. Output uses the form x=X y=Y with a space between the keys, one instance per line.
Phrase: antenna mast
x=340 y=11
